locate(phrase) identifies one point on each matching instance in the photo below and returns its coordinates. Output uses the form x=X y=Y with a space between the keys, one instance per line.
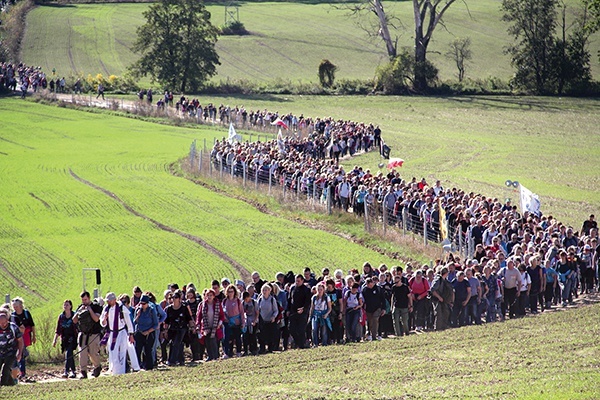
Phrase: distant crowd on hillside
x=523 y=268
x=30 y=78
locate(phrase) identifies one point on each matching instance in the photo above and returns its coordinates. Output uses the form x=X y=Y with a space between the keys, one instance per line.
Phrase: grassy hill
x=287 y=43
x=552 y=356
x=152 y=229
x=476 y=143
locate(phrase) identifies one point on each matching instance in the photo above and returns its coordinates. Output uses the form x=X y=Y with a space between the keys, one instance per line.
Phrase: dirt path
x=244 y=274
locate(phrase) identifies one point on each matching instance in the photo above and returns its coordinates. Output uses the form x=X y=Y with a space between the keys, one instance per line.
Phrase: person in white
x=118 y=333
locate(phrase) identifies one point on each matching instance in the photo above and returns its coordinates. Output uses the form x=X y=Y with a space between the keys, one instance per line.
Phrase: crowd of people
x=23 y=78
x=528 y=267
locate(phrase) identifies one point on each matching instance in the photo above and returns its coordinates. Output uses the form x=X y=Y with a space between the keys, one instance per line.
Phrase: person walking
x=511 y=280
x=22 y=317
x=66 y=330
x=87 y=319
x=146 y=321
x=442 y=295
x=178 y=320
x=11 y=348
x=209 y=322
x=117 y=319
x=100 y=91
x=299 y=307
x=402 y=304
x=374 y=308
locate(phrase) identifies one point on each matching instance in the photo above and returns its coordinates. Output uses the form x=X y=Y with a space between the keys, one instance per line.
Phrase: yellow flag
x=442 y=221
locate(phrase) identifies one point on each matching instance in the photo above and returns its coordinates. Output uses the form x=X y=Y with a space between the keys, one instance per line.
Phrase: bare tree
x=427 y=14
x=459 y=52
x=381 y=28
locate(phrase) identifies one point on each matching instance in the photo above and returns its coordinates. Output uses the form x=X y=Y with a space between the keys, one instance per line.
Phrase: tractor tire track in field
x=244 y=274
x=3 y=153
x=40 y=200
x=19 y=282
x=265 y=210
x=70 y=54
x=17 y=144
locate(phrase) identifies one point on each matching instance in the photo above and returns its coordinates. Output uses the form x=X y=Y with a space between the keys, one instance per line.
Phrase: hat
x=145 y=299
x=587 y=247
x=225 y=280
x=3 y=314
x=240 y=282
x=110 y=296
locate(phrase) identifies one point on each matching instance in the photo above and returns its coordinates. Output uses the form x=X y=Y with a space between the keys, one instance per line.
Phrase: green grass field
x=552 y=356
x=288 y=40
x=52 y=225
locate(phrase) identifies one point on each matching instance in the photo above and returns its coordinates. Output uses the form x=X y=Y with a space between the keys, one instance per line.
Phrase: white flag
x=233 y=136
x=529 y=201
x=280 y=144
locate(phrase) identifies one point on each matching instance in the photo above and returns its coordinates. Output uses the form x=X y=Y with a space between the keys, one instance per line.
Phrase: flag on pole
x=280 y=144
x=233 y=136
x=442 y=221
x=529 y=201
x=395 y=162
x=280 y=123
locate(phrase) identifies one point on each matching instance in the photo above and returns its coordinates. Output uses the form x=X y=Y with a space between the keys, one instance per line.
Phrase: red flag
x=395 y=162
x=279 y=122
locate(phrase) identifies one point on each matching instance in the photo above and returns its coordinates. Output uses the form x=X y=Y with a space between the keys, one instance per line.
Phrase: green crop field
x=288 y=40
x=552 y=356
x=52 y=225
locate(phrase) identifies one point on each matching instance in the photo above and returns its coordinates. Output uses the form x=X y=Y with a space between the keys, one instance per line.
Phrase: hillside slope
x=288 y=40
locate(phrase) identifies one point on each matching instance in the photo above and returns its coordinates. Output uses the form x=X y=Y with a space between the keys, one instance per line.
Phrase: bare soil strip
x=40 y=200
x=244 y=274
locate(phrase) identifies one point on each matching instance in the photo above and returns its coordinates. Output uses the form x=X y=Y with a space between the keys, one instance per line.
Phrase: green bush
x=233 y=28
x=327 y=73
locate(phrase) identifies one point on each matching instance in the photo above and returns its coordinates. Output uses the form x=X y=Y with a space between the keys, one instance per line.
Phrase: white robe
x=117 y=357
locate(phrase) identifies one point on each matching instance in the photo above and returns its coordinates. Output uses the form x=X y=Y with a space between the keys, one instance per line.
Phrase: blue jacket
x=147 y=319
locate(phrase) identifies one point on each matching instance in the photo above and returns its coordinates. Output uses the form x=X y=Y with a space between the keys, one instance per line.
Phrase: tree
x=533 y=25
x=427 y=15
x=327 y=73
x=177 y=44
x=547 y=63
x=460 y=51
x=593 y=9
x=397 y=76
x=379 y=29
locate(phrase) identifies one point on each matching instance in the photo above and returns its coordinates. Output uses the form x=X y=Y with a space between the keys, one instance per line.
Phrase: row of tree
x=177 y=44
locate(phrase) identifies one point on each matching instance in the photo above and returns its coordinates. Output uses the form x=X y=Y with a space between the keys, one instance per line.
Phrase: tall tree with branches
x=380 y=28
x=177 y=44
x=428 y=15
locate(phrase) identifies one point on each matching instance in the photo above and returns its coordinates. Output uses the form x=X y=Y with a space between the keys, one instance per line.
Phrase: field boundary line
x=20 y=282
x=244 y=273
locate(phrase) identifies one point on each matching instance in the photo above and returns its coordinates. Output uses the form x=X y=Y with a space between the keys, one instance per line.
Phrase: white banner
x=233 y=136
x=529 y=201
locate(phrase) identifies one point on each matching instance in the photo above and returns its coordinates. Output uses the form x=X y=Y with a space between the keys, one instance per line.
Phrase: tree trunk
x=420 y=82
x=383 y=28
